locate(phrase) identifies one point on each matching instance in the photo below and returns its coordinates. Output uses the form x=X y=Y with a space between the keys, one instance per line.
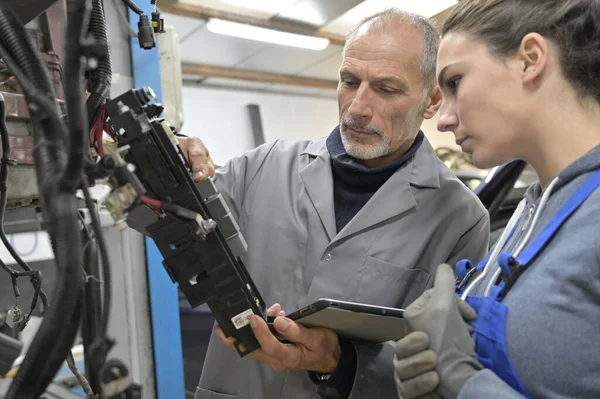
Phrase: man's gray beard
x=364 y=151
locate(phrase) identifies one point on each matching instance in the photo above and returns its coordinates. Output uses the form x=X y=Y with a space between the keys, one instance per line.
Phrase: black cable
x=101 y=77
x=78 y=18
x=36 y=278
x=26 y=58
x=106 y=268
x=133 y=7
x=13 y=40
x=77 y=21
x=60 y=350
x=55 y=335
x=49 y=131
x=92 y=310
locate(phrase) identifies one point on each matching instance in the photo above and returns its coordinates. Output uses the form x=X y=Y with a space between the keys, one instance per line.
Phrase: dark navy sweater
x=353 y=183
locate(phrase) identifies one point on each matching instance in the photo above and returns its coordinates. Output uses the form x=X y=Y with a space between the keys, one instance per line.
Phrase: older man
x=363 y=215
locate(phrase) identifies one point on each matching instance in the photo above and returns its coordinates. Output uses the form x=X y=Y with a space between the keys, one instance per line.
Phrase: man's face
x=381 y=94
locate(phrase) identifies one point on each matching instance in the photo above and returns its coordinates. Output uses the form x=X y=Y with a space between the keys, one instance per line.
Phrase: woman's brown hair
x=573 y=26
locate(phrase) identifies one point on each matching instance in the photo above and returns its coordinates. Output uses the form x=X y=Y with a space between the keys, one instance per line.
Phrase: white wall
x=220 y=118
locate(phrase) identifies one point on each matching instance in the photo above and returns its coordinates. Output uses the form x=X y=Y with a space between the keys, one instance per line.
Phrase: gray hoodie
x=553 y=327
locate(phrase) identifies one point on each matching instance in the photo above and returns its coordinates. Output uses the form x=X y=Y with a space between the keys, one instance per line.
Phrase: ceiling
x=336 y=17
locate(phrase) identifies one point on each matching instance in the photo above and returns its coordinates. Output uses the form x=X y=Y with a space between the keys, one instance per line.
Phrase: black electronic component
x=146 y=33
x=192 y=226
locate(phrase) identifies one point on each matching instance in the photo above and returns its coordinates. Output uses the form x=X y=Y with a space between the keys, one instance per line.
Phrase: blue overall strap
x=559 y=219
x=464 y=268
x=511 y=267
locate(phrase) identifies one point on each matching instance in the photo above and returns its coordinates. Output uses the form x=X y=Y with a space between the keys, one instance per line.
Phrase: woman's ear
x=533 y=55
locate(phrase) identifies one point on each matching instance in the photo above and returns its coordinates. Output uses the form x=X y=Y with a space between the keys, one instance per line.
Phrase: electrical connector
x=146 y=33
x=158 y=23
x=16 y=319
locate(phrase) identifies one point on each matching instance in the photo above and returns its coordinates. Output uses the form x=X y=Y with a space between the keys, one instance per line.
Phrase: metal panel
x=205 y=47
x=348 y=20
x=22 y=220
x=26 y=10
x=184 y=26
x=120 y=57
x=170 y=75
x=316 y=12
x=327 y=69
x=287 y=60
x=164 y=306
x=303 y=91
x=130 y=321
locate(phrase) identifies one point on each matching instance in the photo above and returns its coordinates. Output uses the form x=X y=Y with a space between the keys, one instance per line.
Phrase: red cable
x=99 y=131
x=151 y=202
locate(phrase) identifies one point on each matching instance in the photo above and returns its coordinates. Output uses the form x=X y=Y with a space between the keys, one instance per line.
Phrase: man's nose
x=361 y=106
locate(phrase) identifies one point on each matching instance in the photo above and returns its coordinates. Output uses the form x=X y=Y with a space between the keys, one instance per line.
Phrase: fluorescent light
x=265 y=35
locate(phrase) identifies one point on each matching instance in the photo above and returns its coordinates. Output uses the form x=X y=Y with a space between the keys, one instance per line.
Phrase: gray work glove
x=415 y=363
x=444 y=320
x=414 y=366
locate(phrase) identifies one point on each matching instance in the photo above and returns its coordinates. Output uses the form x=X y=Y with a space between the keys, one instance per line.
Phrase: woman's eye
x=452 y=83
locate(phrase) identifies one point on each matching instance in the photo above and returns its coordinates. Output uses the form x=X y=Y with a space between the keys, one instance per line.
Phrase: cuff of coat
x=342 y=378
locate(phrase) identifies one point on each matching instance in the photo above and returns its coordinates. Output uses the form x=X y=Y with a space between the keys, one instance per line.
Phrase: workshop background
x=220 y=81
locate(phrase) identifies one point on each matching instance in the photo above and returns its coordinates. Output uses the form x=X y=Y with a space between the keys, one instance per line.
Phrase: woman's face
x=484 y=101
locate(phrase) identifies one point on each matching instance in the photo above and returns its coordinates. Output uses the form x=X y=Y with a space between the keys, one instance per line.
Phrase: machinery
x=62 y=133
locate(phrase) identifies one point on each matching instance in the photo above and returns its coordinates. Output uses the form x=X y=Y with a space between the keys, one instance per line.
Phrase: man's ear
x=533 y=55
x=433 y=103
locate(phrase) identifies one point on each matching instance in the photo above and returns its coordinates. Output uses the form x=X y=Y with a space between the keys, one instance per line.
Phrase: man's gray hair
x=391 y=17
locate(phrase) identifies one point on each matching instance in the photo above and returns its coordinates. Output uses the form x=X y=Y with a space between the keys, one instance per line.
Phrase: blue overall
x=490 y=325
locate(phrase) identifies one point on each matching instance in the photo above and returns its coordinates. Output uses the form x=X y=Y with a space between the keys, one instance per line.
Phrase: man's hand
x=197 y=154
x=312 y=349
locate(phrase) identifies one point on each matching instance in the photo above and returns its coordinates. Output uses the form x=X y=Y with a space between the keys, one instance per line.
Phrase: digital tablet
x=354 y=321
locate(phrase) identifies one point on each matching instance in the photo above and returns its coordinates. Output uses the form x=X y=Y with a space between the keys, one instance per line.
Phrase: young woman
x=520 y=79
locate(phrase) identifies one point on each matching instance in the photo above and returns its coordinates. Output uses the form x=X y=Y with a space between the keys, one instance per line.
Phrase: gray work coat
x=282 y=196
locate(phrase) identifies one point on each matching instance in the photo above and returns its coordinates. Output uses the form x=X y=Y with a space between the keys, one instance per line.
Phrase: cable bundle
x=60 y=155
